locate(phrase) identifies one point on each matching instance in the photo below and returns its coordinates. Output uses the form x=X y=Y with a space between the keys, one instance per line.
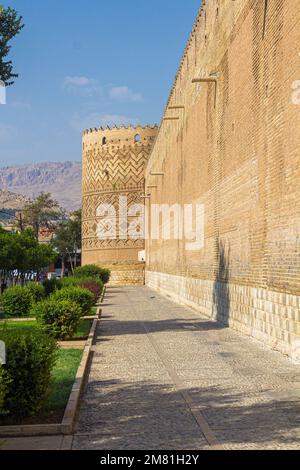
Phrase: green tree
x=75 y=229
x=67 y=240
x=44 y=212
x=10 y=252
x=61 y=244
x=35 y=256
x=10 y=25
x=23 y=254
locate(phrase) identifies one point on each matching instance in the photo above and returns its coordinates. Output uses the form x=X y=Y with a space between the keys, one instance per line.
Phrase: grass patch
x=82 y=332
x=18 y=325
x=63 y=377
x=5 y=317
x=83 y=329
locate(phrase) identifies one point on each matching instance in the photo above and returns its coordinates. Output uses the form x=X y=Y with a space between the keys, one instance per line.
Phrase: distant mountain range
x=62 y=180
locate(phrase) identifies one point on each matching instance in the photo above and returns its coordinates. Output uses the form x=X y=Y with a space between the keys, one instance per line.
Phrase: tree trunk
x=71 y=263
x=75 y=257
x=63 y=266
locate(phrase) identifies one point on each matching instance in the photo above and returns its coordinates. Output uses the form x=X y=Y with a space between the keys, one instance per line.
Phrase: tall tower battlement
x=114 y=162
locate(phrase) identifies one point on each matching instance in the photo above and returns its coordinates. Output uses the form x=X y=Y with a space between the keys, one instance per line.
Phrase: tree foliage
x=67 y=239
x=44 y=212
x=11 y=24
x=21 y=252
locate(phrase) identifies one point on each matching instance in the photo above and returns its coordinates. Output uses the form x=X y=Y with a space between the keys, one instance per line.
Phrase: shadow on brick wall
x=221 y=298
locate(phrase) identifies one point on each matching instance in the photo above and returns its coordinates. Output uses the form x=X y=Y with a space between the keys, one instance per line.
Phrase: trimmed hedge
x=58 y=318
x=25 y=378
x=16 y=301
x=52 y=285
x=82 y=297
x=92 y=270
x=37 y=292
x=105 y=275
x=94 y=285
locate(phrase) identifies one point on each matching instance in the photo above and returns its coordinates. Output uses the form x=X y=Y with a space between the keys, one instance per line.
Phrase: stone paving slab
x=163 y=377
x=141 y=441
x=32 y=443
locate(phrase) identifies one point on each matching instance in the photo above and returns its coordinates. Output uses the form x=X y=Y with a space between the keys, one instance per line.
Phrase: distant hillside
x=62 y=180
x=10 y=203
x=9 y=200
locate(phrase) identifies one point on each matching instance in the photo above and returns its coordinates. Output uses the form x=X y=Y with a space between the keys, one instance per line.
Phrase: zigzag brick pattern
x=114 y=162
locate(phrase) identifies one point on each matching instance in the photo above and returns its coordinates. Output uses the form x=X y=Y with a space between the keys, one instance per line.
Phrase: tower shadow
x=221 y=295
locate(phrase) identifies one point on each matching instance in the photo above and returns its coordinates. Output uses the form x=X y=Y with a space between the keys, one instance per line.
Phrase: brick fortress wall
x=234 y=147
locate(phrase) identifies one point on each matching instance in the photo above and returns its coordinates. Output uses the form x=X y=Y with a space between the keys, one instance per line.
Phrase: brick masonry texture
x=271 y=317
x=114 y=162
x=235 y=149
x=128 y=274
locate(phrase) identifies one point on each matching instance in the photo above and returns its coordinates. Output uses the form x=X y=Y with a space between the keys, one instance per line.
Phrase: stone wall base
x=127 y=275
x=270 y=317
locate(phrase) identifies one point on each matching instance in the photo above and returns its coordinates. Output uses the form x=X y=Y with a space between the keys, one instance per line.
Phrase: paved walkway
x=164 y=378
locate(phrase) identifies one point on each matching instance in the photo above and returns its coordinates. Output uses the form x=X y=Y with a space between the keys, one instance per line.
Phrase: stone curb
x=102 y=296
x=20 y=320
x=68 y=422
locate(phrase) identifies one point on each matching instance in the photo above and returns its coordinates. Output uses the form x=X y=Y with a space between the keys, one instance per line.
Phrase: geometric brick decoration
x=114 y=161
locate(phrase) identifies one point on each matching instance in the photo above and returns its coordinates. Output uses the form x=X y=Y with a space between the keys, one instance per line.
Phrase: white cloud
x=81 y=122
x=123 y=93
x=81 y=85
x=79 y=81
x=89 y=87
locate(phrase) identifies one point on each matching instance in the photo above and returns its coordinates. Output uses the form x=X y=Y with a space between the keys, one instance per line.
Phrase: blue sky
x=86 y=64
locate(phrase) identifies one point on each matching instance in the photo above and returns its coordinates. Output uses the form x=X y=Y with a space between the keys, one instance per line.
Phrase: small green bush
x=25 y=378
x=94 y=285
x=93 y=271
x=52 y=285
x=82 y=297
x=105 y=275
x=16 y=301
x=90 y=270
x=58 y=318
x=37 y=292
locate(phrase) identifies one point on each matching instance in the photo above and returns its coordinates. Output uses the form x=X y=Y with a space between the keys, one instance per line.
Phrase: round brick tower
x=114 y=161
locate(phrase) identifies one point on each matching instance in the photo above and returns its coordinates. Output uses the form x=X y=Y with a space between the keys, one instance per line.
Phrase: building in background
x=114 y=162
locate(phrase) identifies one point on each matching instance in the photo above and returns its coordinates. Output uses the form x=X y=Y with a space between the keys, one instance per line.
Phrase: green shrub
x=93 y=271
x=52 y=285
x=82 y=297
x=16 y=301
x=37 y=292
x=105 y=275
x=90 y=270
x=58 y=318
x=25 y=378
x=94 y=285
